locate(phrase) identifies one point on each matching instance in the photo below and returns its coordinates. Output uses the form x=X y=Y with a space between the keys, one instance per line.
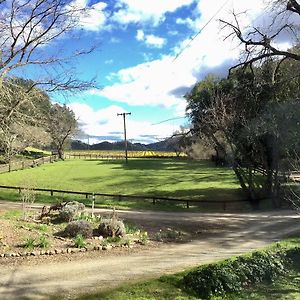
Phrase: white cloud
x=104 y=124
x=140 y=35
x=109 y=61
x=164 y=81
x=188 y=21
x=94 y=17
x=151 y=12
x=150 y=40
x=154 y=41
x=149 y=83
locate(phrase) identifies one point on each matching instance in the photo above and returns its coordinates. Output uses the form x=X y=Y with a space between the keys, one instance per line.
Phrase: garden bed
x=33 y=237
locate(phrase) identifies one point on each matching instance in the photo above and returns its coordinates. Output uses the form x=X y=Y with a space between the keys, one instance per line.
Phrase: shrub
x=71 y=210
x=79 y=241
x=233 y=274
x=81 y=227
x=111 y=228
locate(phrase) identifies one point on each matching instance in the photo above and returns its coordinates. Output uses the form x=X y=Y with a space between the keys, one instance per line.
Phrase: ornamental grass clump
x=79 y=241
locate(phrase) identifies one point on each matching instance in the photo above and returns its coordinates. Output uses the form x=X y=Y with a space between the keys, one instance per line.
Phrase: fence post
x=187 y=204
x=154 y=201
x=86 y=195
x=51 y=192
x=93 y=205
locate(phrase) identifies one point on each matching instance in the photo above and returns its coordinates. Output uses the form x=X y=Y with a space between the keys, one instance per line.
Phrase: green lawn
x=171 y=178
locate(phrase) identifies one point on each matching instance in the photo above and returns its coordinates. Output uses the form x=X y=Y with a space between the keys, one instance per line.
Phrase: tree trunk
x=60 y=153
x=247 y=186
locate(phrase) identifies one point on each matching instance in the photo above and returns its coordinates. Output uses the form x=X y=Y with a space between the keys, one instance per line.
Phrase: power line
x=177 y=118
x=201 y=29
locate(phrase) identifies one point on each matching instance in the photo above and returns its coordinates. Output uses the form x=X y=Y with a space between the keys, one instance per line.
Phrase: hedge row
x=232 y=275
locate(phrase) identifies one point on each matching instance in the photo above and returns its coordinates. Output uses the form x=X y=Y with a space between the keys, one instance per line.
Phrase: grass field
x=161 y=177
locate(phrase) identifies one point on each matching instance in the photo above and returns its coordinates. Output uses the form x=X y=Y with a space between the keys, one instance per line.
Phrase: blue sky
x=135 y=66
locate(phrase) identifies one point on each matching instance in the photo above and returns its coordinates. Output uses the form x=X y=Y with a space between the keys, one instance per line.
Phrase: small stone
x=107 y=247
x=33 y=253
x=42 y=252
x=69 y=250
x=58 y=251
x=7 y=255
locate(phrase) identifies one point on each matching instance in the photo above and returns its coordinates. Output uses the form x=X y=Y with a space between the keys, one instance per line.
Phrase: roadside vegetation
x=272 y=273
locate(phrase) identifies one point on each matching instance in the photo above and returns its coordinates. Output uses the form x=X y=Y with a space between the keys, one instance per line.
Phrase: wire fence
x=25 y=164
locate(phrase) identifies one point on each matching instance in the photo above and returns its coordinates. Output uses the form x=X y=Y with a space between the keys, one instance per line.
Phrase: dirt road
x=241 y=233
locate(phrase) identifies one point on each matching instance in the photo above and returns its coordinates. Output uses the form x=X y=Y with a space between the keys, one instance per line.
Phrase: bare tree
x=261 y=42
x=27 y=28
x=62 y=125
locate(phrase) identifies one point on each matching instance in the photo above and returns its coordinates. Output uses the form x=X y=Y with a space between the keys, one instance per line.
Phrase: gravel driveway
x=88 y=272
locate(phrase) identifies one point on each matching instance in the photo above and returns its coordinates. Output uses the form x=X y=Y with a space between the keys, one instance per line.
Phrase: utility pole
x=125 y=138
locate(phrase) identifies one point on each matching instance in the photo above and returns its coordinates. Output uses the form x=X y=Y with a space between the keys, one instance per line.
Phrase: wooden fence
x=24 y=164
x=94 y=156
x=120 y=197
x=114 y=156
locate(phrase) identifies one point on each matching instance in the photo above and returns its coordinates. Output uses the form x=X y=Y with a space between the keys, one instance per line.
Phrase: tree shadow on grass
x=160 y=164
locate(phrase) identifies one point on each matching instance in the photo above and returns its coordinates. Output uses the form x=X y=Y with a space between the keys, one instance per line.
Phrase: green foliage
x=143 y=238
x=87 y=217
x=43 y=242
x=79 y=241
x=29 y=243
x=81 y=227
x=115 y=239
x=168 y=234
x=131 y=228
x=232 y=275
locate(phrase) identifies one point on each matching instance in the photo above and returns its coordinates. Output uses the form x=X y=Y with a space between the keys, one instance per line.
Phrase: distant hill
x=159 y=146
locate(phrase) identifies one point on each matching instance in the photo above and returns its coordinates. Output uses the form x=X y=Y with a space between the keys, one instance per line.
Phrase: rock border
x=62 y=251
